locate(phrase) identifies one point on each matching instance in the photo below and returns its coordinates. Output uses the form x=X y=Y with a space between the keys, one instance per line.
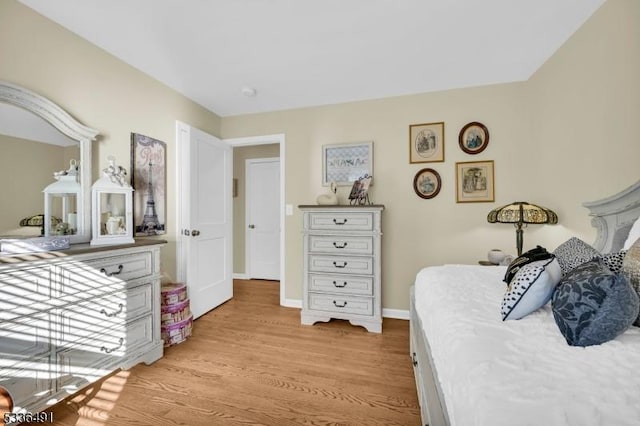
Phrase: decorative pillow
x=631 y=269
x=634 y=235
x=530 y=288
x=592 y=305
x=574 y=252
x=613 y=261
x=538 y=253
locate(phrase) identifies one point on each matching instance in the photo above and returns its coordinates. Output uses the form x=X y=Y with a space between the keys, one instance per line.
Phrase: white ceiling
x=299 y=53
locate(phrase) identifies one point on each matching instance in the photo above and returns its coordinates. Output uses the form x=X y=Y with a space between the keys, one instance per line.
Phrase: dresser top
x=74 y=249
x=342 y=206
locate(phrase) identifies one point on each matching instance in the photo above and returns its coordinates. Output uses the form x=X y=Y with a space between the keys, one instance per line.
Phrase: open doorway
x=256 y=150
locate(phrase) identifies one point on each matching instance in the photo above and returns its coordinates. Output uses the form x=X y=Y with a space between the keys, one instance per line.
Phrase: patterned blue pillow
x=592 y=305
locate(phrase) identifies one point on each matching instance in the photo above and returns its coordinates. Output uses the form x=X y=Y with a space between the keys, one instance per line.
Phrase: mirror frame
x=60 y=119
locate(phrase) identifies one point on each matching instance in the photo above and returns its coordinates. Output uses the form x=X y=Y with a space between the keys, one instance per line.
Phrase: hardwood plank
x=251 y=362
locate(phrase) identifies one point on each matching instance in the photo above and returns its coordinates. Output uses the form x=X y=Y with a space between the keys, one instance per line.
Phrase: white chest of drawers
x=69 y=318
x=342 y=265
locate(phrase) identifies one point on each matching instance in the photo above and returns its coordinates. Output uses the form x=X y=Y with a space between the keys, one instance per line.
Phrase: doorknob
x=195 y=233
x=252 y=226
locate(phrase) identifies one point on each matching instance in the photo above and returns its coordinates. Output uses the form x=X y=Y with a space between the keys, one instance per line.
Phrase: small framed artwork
x=475 y=182
x=473 y=138
x=346 y=163
x=148 y=178
x=360 y=191
x=427 y=183
x=426 y=142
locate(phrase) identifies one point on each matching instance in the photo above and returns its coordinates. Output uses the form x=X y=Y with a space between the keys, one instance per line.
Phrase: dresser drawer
x=341 y=264
x=340 y=244
x=25 y=290
x=341 y=304
x=341 y=284
x=25 y=337
x=337 y=221
x=94 y=278
x=90 y=321
x=27 y=382
x=129 y=267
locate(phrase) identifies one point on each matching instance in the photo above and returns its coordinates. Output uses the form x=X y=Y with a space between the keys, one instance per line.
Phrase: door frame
x=280 y=140
x=247 y=206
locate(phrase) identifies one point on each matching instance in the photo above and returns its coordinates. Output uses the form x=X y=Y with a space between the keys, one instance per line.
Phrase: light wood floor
x=250 y=362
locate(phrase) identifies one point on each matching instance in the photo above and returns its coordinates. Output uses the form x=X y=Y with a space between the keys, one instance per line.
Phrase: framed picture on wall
x=346 y=163
x=473 y=138
x=427 y=183
x=148 y=178
x=475 y=182
x=426 y=142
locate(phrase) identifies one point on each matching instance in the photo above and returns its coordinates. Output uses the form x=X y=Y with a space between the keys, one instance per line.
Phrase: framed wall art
x=148 y=178
x=473 y=138
x=346 y=163
x=475 y=182
x=426 y=142
x=427 y=183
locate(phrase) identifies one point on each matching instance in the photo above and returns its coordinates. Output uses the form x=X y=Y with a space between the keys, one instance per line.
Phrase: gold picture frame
x=475 y=182
x=426 y=143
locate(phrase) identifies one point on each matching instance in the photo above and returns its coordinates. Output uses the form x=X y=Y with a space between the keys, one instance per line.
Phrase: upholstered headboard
x=613 y=217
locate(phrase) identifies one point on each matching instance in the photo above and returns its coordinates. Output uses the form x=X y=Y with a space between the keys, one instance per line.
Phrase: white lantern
x=62 y=205
x=111 y=201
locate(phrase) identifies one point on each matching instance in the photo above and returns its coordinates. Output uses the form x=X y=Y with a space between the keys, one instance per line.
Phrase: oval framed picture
x=427 y=183
x=473 y=138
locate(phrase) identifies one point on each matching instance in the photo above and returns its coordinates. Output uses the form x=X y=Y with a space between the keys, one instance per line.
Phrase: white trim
x=265 y=140
x=240 y=276
x=292 y=303
x=395 y=313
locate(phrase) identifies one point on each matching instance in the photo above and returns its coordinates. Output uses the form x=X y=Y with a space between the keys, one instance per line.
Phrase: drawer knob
x=344 y=284
x=337 y=305
x=343 y=245
x=414 y=361
x=113 y=314
x=339 y=223
x=340 y=266
x=108 y=351
x=110 y=274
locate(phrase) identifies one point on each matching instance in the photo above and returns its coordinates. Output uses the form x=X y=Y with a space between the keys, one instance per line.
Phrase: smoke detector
x=249 y=92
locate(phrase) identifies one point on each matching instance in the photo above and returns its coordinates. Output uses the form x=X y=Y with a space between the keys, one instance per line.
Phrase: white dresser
x=342 y=265
x=71 y=317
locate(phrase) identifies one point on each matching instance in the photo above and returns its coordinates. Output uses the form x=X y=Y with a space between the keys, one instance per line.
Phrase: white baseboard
x=396 y=314
x=292 y=303
x=240 y=276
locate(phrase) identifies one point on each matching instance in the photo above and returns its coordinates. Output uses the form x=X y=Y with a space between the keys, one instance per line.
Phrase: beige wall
x=560 y=139
x=26 y=168
x=240 y=155
x=101 y=91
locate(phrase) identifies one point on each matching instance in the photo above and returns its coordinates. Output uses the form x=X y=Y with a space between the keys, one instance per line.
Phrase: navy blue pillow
x=592 y=305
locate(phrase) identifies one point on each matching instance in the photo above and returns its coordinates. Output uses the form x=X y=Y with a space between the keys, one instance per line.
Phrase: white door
x=263 y=218
x=205 y=218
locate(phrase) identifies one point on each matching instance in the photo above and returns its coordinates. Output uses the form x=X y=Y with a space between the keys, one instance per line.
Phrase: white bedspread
x=521 y=372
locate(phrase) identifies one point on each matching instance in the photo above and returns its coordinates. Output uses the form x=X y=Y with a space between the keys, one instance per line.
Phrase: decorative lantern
x=111 y=201
x=61 y=203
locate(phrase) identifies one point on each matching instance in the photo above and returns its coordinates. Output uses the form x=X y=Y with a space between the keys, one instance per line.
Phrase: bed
x=472 y=368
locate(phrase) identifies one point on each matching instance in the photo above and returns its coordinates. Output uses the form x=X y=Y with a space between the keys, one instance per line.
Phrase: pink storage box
x=176 y=333
x=171 y=314
x=173 y=293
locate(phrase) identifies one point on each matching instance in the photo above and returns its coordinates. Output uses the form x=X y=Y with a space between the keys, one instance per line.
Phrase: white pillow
x=530 y=288
x=634 y=235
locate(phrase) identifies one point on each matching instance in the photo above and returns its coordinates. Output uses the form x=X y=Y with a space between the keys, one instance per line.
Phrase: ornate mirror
x=33 y=150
